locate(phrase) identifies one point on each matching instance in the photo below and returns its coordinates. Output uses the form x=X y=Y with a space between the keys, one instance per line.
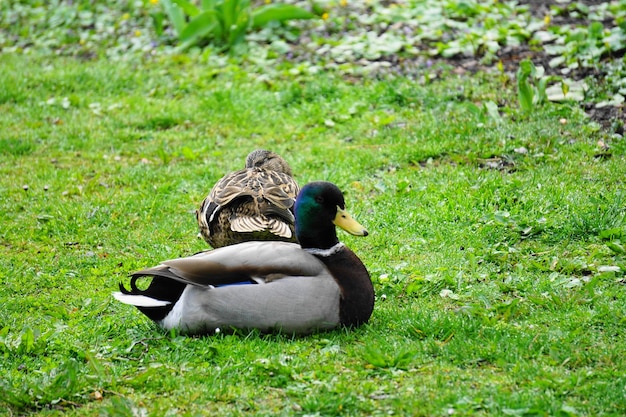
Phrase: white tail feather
x=139 y=300
x=279 y=228
x=256 y=224
x=247 y=224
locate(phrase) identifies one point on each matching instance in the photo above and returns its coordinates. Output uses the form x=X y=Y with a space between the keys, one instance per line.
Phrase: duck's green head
x=319 y=208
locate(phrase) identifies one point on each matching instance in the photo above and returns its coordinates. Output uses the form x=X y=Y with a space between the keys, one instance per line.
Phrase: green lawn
x=496 y=243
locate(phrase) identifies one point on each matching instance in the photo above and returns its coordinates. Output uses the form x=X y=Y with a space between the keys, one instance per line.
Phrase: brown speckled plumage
x=255 y=203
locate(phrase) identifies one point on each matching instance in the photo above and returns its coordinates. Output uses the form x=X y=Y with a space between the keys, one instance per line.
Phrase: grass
x=496 y=244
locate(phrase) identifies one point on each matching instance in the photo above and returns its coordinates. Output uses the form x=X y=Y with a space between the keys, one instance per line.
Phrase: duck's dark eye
x=319 y=199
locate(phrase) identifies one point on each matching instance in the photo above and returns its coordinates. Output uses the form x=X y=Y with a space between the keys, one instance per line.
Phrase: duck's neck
x=317 y=236
x=323 y=253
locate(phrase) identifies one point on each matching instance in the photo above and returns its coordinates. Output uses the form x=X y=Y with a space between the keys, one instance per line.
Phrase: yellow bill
x=347 y=223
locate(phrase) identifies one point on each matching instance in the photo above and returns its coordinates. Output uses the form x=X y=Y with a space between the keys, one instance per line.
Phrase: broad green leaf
x=187 y=7
x=541 y=90
x=199 y=27
x=238 y=29
x=616 y=247
x=157 y=22
x=231 y=9
x=376 y=357
x=27 y=340
x=208 y=4
x=500 y=66
x=564 y=88
x=525 y=91
x=175 y=14
x=526 y=68
x=525 y=94
x=404 y=358
x=614 y=233
x=595 y=30
x=492 y=110
x=279 y=12
x=225 y=10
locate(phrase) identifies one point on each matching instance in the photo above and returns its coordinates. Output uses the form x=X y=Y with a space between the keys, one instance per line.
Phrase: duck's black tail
x=157 y=300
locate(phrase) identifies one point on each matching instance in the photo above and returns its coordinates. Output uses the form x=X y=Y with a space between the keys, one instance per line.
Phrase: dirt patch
x=611 y=118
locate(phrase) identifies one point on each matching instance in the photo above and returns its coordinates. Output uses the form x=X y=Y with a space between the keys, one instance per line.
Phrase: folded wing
x=247 y=261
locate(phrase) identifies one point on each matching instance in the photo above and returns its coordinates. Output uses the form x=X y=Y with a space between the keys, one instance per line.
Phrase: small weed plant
x=224 y=23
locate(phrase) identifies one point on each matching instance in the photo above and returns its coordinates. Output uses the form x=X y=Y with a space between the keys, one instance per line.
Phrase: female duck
x=254 y=203
x=318 y=284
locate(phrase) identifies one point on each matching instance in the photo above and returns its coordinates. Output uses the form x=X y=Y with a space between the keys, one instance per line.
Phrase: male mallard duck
x=318 y=284
x=254 y=203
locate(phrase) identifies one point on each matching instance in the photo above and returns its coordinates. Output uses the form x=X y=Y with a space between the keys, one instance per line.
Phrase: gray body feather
x=294 y=293
x=292 y=305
